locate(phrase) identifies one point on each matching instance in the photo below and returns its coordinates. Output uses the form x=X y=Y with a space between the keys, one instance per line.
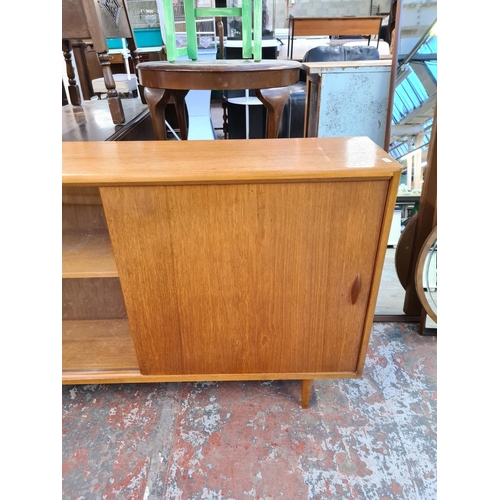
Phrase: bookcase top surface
x=225 y=161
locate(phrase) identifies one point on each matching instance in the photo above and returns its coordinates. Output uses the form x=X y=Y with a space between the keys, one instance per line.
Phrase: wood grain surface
x=205 y=162
x=78 y=217
x=98 y=344
x=336 y=26
x=238 y=260
x=218 y=74
x=246 y=278
x=87 y=255
x=323 y=67
x=92 y=298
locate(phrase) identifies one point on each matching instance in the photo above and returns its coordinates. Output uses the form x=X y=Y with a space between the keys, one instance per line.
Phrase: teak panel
x=325 y=67
x=79 y=217
x=97 y=345
x=339 y=26
x=209 y=162
x=87 y=255
x=81 y=195
x=247 y=278
x=195 y=261
x=92 y=298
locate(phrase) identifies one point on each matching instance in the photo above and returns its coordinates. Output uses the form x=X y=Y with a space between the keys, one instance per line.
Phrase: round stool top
x=218 y=74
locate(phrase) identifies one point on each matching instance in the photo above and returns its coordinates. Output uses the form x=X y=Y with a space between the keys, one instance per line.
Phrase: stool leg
x=179 y=97
x=274 y=100
x=157 y=100
x=141 y=93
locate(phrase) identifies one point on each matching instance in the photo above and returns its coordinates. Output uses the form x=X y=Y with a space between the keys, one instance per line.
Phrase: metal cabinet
x=348 y=98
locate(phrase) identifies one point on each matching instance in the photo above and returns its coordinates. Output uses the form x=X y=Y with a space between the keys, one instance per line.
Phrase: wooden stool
x=162 y=80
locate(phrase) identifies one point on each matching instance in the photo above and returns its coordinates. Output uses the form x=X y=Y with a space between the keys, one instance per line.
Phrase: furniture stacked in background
x=302 y=45
x=355 y=109
x=414 y=244
x=165 y=80
x=348 y=98
x=97 y=21
x=343 y=92
x=292 y=123
x=180 y=78
x=345 y=27
x=197 y=102
x=163 y=280
x=149 y=47
x=246 y=115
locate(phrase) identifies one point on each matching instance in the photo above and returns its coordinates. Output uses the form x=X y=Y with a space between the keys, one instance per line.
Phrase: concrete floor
x=368 y=438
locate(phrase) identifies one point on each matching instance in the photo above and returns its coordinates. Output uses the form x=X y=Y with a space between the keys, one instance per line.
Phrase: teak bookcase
x=222 y=260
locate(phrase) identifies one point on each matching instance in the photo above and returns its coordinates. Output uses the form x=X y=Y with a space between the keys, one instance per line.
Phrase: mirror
x=426 y=275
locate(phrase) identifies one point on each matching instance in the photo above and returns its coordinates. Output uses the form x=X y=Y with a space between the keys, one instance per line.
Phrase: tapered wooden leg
x=306 y=392
x=179 y=97
x=274 y=100
x=157 y=100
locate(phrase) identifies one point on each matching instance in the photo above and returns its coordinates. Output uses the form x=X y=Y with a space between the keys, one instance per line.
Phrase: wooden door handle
x=355 y=289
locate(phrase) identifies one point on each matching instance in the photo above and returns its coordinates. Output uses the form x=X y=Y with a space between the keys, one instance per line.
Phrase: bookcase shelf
x=238 y=260
x=98 y=346
x=87 y=255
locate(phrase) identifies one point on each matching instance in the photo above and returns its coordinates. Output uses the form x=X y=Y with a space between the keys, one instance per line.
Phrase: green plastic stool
x=191 y=13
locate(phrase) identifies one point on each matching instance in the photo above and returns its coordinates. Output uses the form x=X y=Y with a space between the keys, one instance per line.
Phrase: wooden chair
x=89 y=19
x=126 y=83
x=192 y=13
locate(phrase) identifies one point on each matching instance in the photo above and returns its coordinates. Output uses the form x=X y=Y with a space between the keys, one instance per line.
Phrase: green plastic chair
x=191 y=13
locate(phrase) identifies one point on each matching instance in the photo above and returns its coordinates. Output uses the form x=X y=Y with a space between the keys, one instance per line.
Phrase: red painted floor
x=369 y=438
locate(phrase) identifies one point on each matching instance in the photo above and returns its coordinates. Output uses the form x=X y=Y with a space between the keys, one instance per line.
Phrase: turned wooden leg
x=136 y=59
x=114 y=102
x=224 y=118
x=157 y=100
x=274 y=100
x=306 y=392
x=82 y=70
x=220 y=32
x=179 y=97
x=74 y=91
